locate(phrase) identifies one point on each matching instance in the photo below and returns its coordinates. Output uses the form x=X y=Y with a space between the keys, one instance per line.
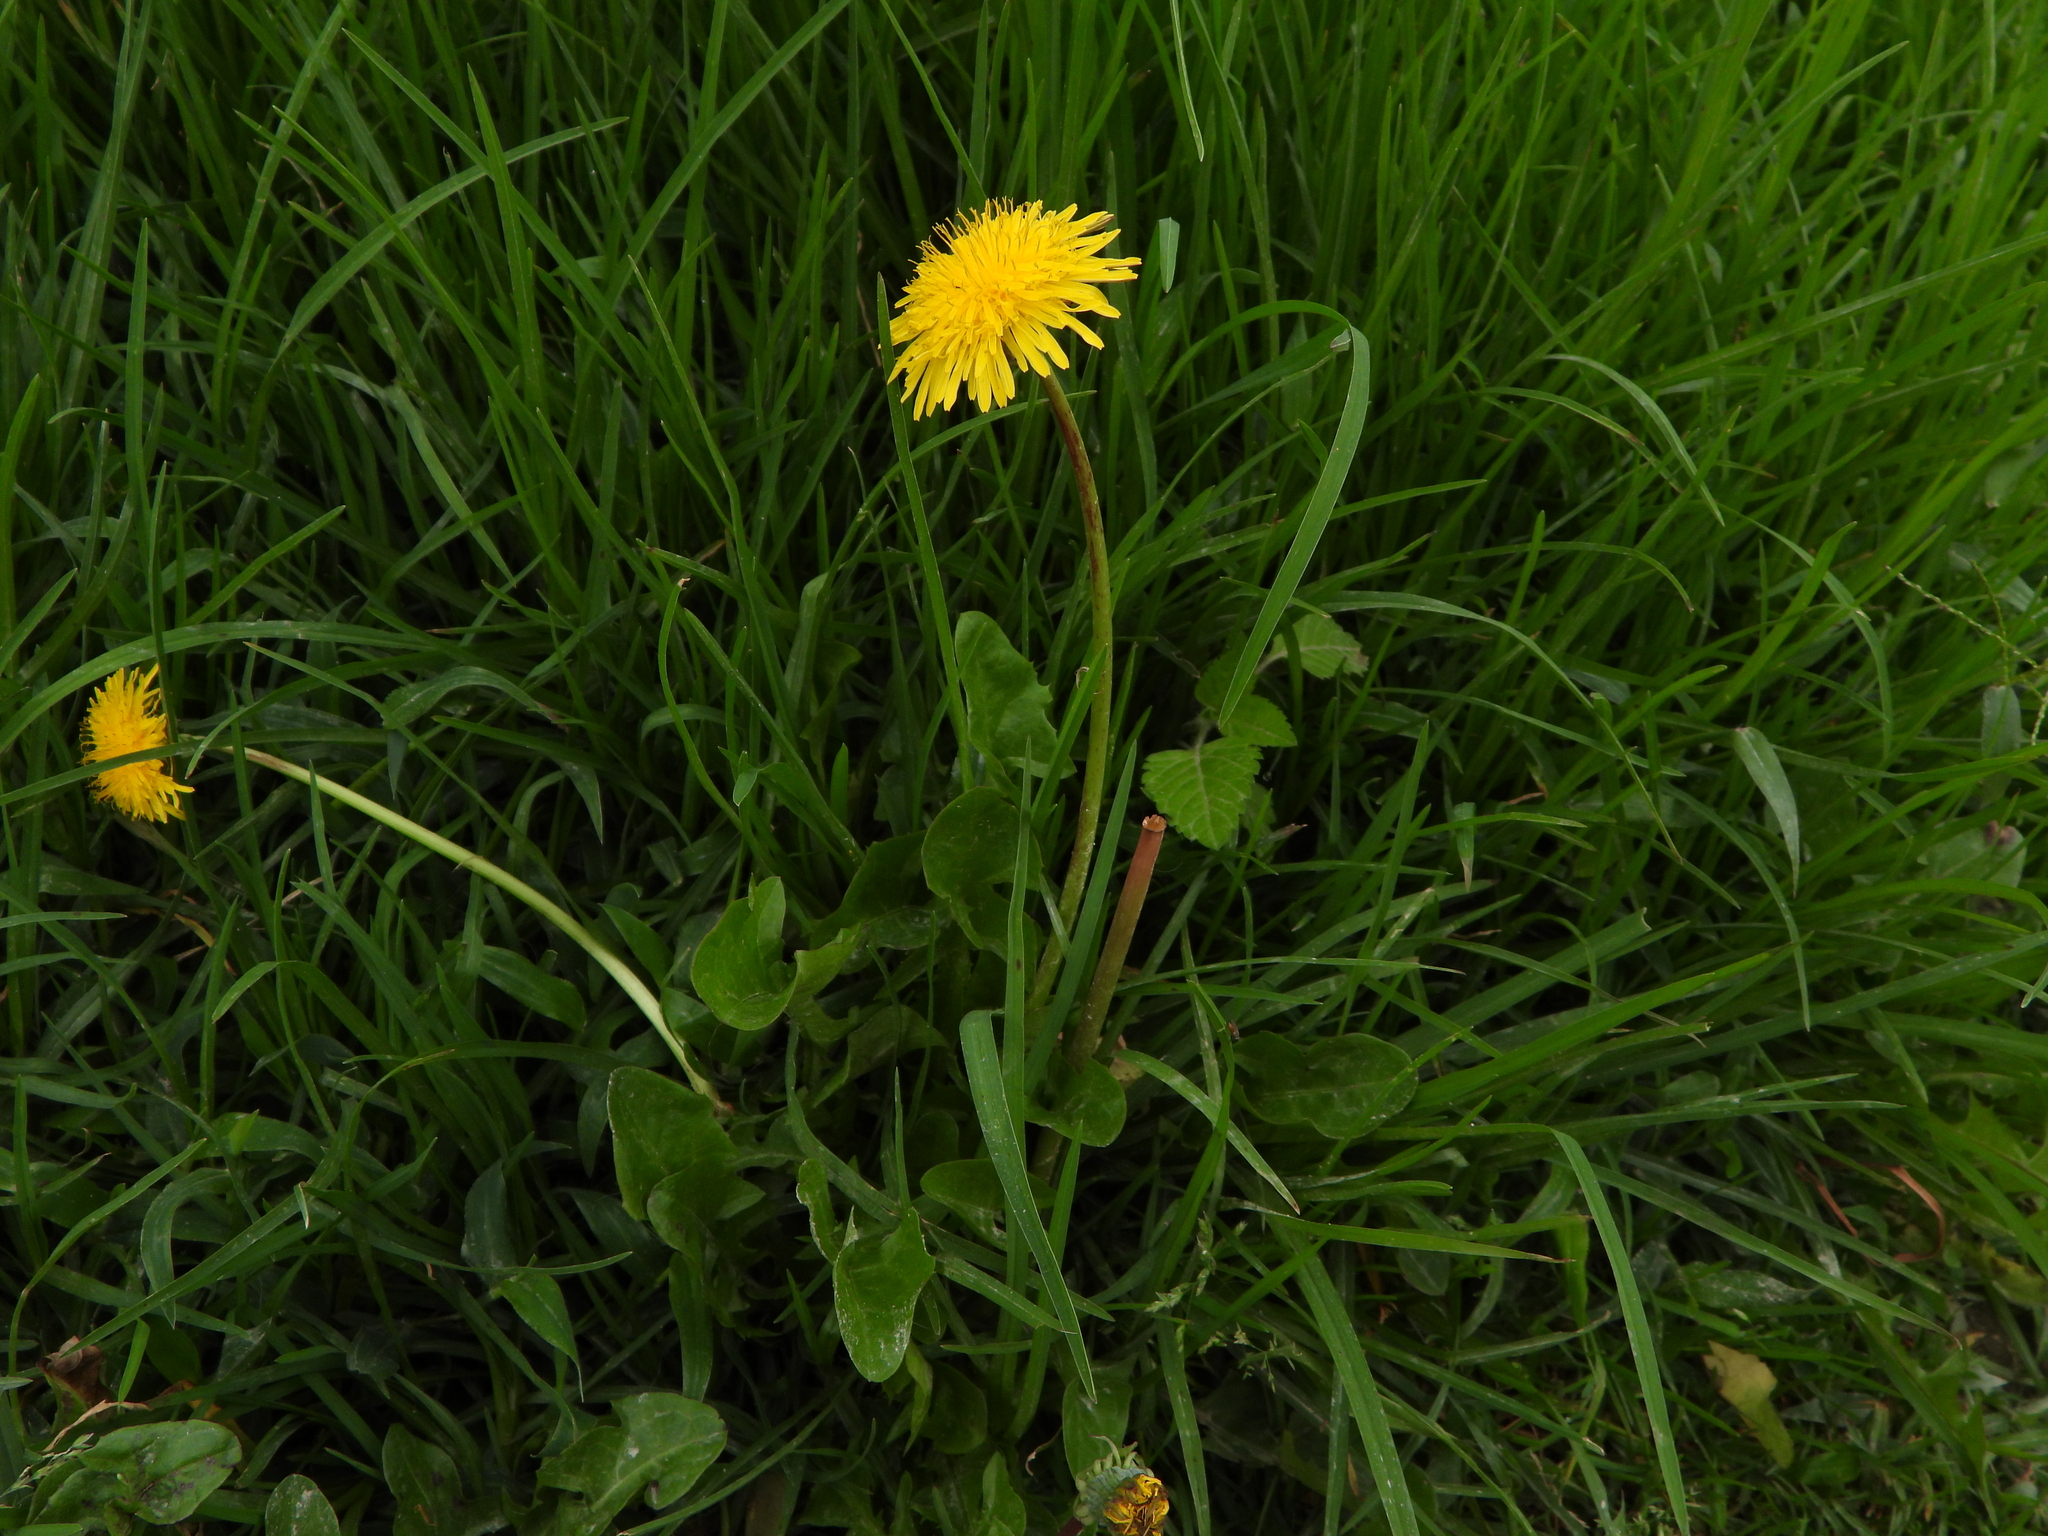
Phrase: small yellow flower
x=990 y=301
x=126 y=716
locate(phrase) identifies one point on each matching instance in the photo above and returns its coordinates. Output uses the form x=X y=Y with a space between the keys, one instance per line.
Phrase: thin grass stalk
x=643 y=999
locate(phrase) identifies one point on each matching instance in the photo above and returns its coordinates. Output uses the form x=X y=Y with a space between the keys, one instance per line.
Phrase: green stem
x=505 y=880
x=1103 y=670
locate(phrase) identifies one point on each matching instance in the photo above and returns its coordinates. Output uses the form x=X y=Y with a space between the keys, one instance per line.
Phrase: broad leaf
x=422 y=1479
x=1981 y=851
x=1006 y=703
x=817 y=969
x=959 y=1415
x=886 y=1032
x=1086 y=1426
x=1085 y=1106
x=1203 y=790
x=2002 y=726
x=661 y=1129
x=1342 y=1087
x=537 y=1297
x=297 y=1507
x=888 y=900
x=1325 y=646
x=738 y=970
x=661 y=1447
x=973 y=1190
x=875 y=1283
x=156 y=1473
x=1002 y=1510
x=971 y=849
x=1258 y=722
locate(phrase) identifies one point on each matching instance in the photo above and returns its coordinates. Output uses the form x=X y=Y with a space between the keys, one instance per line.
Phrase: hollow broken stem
x=1084 y=1040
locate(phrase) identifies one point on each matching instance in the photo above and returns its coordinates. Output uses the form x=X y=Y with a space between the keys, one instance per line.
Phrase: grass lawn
x=606 y=1046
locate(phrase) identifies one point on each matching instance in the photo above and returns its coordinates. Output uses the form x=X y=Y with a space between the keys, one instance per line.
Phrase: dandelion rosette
x=990 y=301
x=125 y=716
x=1123 y=1493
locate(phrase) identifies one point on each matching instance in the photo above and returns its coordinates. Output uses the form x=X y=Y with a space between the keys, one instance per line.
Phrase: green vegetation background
x=480 y=404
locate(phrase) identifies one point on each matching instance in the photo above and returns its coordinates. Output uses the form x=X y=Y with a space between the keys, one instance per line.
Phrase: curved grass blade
x=511 y=884
x=1649 y=1371
x=1340 y=1337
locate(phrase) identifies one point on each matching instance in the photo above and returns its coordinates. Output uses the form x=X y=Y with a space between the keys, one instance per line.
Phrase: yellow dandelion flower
x=989 y=303
x=126 y=716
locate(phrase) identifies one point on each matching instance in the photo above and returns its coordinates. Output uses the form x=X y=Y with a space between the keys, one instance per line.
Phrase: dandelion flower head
x=1138 y=1508
x=989 y=302
x=125 y=716
x=1122 y=1492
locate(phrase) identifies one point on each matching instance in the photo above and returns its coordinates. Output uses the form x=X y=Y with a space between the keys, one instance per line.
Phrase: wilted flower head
x=989 y=302
x=1123 y=1493
x=126 y=716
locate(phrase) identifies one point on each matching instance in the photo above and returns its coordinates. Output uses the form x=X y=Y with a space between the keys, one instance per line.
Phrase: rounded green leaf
x=159 y=1473
x=297 y=1507
x=1342 y=1087
x=886 y=893
x=738 y=970
x=1006 y=703
x=422 y=1478
x=875 y=1282
x=970 y=849
x=1085 y=1106
x=660 y=1448
x=660 y=1128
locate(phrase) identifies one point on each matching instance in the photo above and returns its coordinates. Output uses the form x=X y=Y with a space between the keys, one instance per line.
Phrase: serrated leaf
x=1258 y=722
x=1325 y=646
x=1006 y=703
x=1203 y=790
